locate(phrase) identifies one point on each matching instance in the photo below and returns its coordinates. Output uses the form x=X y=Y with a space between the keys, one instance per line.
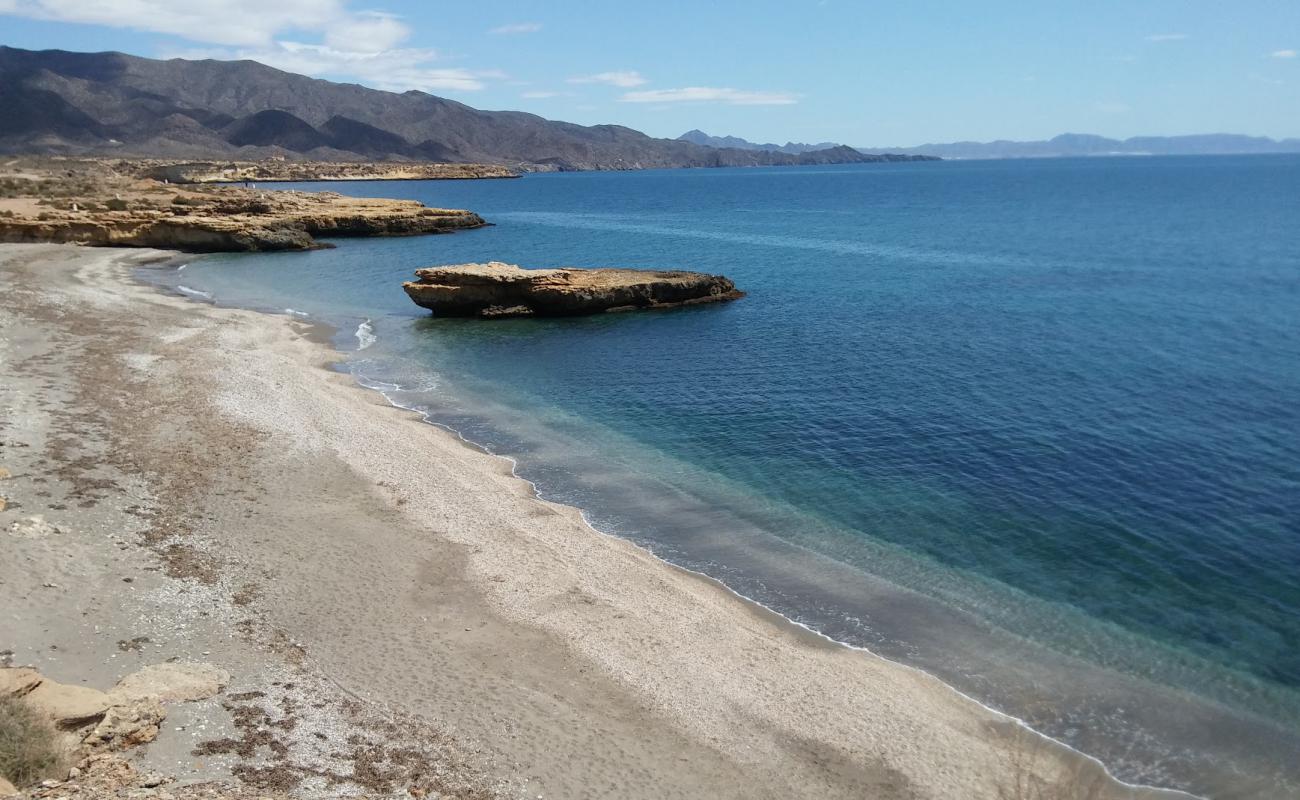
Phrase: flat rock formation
x=281 y=169
x=99 y=204
x=506 y=290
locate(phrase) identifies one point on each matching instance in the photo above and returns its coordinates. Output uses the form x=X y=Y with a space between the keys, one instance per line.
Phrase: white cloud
x=226 y=22
x=395 y=70
x=625 y=79
x=1167 y=37
x=516 y=27
x=364 y=46
x=704 y=94
x=543 y=95
x=1283 y=54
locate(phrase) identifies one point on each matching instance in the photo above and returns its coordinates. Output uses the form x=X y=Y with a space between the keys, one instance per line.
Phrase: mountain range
x=56 y=101
x=700 y=137
x=1082 y=144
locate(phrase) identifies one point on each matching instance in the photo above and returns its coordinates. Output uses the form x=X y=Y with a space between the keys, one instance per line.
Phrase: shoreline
x=662 y=650
x=809 y=634
x=325 y=336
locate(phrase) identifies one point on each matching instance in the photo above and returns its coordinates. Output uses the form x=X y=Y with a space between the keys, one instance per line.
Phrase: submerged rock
x=506 y=290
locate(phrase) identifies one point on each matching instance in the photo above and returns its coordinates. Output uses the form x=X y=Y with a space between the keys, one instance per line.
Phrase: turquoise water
x=1033 y=426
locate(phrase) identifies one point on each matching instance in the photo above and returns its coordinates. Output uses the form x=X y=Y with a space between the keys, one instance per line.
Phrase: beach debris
x=33 y=527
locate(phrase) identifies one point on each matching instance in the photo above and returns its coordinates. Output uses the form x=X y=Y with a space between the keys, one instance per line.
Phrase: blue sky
x=863 y=73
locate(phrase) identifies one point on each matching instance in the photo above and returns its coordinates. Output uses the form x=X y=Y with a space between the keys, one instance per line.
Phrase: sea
x=1032 y=426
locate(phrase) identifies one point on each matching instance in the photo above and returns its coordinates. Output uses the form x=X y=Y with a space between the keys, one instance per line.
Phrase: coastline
x=578 y=663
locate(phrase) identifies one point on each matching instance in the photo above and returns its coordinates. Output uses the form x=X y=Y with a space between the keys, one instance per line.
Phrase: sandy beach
x=215 y=492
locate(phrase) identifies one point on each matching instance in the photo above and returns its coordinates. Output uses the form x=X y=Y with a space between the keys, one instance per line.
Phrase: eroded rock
x=68 y=706
x=173 y=682
x=496 y=289
x=88 y=202
x=18 y=681
x=128 y=724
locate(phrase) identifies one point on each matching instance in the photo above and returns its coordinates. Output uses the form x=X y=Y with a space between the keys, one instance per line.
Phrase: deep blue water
x=1033 y=426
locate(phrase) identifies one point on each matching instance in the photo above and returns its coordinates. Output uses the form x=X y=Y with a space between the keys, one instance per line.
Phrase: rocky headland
x=104 y=204
x=496 y=289
x=279 y=169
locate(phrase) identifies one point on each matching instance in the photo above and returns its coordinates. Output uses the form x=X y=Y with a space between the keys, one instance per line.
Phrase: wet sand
x=376 y=577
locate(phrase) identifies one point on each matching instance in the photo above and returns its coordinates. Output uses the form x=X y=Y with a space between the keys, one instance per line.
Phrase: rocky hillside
x=116 y=104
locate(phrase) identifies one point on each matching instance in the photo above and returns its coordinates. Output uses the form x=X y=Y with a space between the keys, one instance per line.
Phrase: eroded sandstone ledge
x=496 y=289
x=95 y=203
x=284 y=170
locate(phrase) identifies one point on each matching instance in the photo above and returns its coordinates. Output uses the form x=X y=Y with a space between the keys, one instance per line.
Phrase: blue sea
x=1031 y=426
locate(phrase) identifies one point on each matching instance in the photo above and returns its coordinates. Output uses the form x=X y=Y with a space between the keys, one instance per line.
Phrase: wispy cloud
x=705 y=94
x=1283 y=54
x=543 y=95
x=395 y=70
x=1167 y=37
x=516 y=28
x=625 y=79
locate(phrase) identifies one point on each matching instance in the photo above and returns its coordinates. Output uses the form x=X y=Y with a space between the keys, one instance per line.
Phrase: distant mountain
x=700 y=137
x=53 y=101
x=1082 y=144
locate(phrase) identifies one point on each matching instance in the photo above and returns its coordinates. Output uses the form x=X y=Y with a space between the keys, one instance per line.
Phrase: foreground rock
x=505 y=290
x=90 y=724
x=93 y=203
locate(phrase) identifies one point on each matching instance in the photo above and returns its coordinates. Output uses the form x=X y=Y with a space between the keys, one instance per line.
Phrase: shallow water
x=1029 y=425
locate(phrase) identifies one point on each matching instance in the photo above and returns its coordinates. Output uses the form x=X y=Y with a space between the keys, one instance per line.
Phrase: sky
x=861 y=73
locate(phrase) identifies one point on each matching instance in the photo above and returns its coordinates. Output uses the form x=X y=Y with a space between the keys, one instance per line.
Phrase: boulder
x=7 y=789
x=68 y=706
x=506 y=290
x=172 y=682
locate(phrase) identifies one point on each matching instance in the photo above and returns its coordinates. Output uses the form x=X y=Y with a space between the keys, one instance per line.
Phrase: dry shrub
x=29 y=746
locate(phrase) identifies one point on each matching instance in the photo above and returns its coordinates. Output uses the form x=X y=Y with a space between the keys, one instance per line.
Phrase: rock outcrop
x=90 y=724
x=505 y=290
x=93 y=203
x=284 y=170
x=173 y=682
